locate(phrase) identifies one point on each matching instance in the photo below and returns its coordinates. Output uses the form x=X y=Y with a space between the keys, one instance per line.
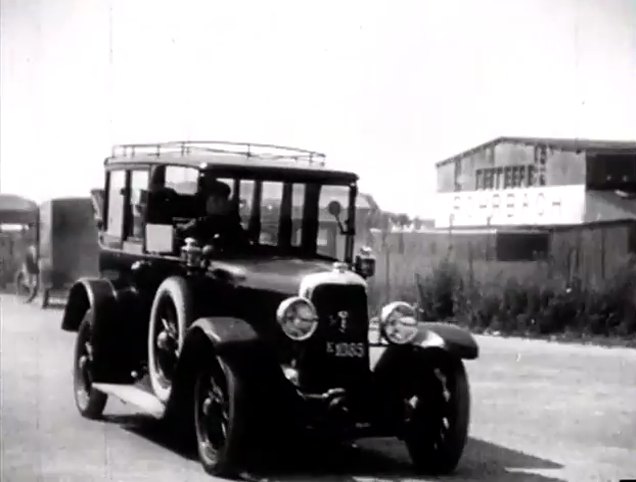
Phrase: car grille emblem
x=340 y=320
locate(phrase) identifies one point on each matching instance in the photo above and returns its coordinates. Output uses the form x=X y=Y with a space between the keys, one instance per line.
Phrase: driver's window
x=330 y=242
x=272 y=194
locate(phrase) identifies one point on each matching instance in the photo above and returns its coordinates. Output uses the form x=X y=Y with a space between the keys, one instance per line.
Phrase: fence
x=589 y=254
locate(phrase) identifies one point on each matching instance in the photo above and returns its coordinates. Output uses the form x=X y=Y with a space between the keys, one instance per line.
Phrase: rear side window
x=138 y=187
x=182 y=179
x=115 y=221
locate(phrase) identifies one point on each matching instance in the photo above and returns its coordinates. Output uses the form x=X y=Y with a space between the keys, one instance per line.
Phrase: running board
x=135 y=396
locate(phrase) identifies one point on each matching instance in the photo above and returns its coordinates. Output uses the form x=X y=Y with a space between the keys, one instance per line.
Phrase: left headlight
x=398 y=323
x=297 y=317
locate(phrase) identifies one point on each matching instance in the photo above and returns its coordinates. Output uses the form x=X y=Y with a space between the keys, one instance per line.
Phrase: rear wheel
x=437 y=425
x=89 y=401
x=169 y=316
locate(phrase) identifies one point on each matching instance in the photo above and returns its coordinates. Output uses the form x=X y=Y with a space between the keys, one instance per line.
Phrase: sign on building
x=542 y=206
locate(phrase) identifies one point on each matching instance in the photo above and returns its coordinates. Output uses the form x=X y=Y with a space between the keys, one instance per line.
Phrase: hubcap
x=166 y=343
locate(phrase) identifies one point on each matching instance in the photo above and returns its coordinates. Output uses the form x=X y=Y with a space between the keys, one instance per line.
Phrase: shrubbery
x=531 y=306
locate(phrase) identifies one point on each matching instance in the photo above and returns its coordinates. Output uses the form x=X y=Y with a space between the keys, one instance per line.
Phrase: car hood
x=282 y=275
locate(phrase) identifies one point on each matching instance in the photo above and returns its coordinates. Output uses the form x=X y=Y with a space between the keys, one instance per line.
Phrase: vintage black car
x=253 y=334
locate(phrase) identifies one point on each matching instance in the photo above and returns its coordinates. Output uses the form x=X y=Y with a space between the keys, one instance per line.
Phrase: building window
x=508 y=181
x=508 y=177
x=479 y=179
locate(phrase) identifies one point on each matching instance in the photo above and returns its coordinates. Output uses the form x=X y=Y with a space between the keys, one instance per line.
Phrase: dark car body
x=231 y=301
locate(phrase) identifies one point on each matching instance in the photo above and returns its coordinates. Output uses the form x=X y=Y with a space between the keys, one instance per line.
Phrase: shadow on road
x=385 y=458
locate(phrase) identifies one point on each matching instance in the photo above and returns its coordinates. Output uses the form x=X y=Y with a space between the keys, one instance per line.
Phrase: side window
x=136 y=208
x=245 y=201
x=271 y=197
x=182 y=179
x=115 y=221
x=298 y=202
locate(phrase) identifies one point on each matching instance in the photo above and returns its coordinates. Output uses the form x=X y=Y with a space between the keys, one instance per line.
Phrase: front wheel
x=89 y=402
x=437 y=426
x=219 y=420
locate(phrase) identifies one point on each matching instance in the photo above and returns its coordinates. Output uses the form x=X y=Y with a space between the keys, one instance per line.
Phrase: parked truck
x=67 y=245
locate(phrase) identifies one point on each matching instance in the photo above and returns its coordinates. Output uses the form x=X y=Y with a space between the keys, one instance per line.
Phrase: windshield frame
x=313 y=183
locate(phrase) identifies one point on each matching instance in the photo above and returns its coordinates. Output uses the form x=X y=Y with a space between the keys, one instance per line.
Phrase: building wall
x=545 y=166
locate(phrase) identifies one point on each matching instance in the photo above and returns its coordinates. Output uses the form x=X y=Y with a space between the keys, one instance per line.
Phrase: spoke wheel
x=166 y=342
x=89 y=401
x=438 y=418
x=170 y=314
x=220 y=420
x=212 y=417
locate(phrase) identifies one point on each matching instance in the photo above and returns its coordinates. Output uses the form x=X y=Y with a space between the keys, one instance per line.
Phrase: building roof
x=551 y=142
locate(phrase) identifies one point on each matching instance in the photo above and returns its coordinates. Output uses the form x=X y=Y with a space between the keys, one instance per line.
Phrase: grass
x=530 y=299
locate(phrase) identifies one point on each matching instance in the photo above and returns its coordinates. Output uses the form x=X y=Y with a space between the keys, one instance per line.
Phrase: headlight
x=297 y=317
x=397 y=322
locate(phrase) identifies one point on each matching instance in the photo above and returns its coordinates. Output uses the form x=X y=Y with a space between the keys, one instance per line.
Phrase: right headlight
x=297 y=317
x=398 y=323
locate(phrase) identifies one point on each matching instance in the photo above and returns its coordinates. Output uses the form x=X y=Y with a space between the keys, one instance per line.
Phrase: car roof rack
x=245 y=149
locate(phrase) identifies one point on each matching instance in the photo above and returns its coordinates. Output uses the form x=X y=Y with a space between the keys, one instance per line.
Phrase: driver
x=221 y=222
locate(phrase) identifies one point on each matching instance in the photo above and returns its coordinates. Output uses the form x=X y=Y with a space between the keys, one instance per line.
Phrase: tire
x=170 y=314
x=89 y=402
x=220 y=420
x=437 y=430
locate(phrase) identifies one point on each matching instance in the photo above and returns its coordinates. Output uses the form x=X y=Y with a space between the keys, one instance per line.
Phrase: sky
x=384 y=88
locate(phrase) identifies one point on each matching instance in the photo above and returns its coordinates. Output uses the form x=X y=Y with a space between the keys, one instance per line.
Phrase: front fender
x=451 y=338
x=432 y=341
x=242 y=350
x=236 y=343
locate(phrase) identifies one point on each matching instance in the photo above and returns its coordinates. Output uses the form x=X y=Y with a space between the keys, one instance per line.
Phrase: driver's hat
x=212 y=187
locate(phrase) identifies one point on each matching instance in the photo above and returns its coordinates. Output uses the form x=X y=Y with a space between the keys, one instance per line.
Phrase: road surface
x=541 y=412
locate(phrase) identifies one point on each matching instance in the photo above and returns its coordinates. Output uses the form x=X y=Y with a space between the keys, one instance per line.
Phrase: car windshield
x=292 y=217
x=280 y=216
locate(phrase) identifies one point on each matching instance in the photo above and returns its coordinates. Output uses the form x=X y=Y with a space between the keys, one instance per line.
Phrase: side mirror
x=364 y=263
x=334 y=209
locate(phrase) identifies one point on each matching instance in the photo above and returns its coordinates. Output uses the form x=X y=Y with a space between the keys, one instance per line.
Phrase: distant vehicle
x=67 y=245
x=217 y=309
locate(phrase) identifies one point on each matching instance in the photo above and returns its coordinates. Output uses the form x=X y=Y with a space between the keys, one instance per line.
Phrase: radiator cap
x=340 y=266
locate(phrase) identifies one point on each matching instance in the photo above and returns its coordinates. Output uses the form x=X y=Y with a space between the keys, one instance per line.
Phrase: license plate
x=345 y=350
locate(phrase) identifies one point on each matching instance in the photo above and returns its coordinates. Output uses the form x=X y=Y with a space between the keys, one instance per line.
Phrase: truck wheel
x=171 y=312
x=219 y=420
x=89 y=401
x=437 y=426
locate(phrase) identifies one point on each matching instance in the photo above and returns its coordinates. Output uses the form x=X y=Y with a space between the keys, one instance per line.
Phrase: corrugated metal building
x=576 y=196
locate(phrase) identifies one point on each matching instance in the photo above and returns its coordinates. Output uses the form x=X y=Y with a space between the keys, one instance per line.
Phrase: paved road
x=541 y=412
